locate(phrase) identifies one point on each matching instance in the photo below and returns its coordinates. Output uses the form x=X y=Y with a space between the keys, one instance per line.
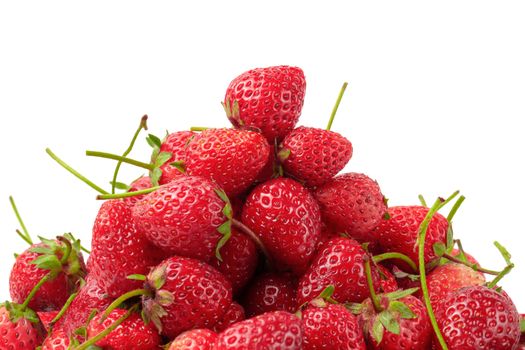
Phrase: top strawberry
x=269 y=99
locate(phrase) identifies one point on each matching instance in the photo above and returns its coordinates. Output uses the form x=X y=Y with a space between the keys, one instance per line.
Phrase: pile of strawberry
x=247 y=238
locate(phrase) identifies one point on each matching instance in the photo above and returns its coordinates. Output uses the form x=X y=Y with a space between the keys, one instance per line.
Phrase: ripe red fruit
x=269 y=99
x=341 y=264
x=46 y=317
x=196 y=339
x=132 y=333
x=387 y=280
x=184 y=294
x=239 y=260
x=272 y=330
x=399 y=233
x=329 y=326
x=119 y=249
x=287 y=219
x=478 y=318
x=234 y=314
x=314 y=156
x=271 y=292
x=176 y=144
x=17 y=333
x=182 y=217
x=353 y=204
x=142 y=183
x=232 y=158
x=57 y=340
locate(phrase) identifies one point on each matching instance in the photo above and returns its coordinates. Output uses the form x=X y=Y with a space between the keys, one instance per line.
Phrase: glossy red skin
x=175 y=143
x=202 y=295
x=57 y=340
x=90 y=297
x=341 y=264
x=230 y=157
x=331 y=327
x=316 y=155
x=132 y=333
x=327 y=233
x=196 y=339
x=269 y=169
x=46 y=317
x=21 y=335
x=234 y=314
x=387 y=280
x=448 y=278
x=478 y=318
x=352 y=203
x=272 y=330
x=270 y=99
x=182 y=217
x=239 y=260
x=287 y=219
x=118 y=249
x=415 y=333
x=271 y=292
x=142 y=183
x=24 y=276
x=399 y=233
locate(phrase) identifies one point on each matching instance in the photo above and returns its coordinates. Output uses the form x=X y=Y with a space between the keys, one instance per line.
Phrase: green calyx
x=225 y=229
x=18 y=312
x=60 y=255
x=232 y=112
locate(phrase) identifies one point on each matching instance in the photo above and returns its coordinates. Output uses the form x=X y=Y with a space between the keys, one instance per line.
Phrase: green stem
x=336 y=106
x=198 y=128
x=63 y=309
x=26 y=237
x=394 y=255
x=475 y=267
x=67 y=253
x=455 y=208
x=106 y=155
x=502 y=274
x=123 y=298
x=370 y=282
x=105 y=332
x=74 y=172
x=422 y=273
x=128 y=194
x=448 y=200
x=49 y=276
x=142 y=125
x=422 y=200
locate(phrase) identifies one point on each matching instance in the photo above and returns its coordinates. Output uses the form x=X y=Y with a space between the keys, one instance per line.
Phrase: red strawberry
x=196 y=339
x=174 y=143
x=132 y=333
x=388 y=281
x=399 y=233
x=17 y=331
x=327 y=233
x=39 y=260
x=457 y=253
x=478 y=318
x=184 y=294
x=271 y=292
x=314 y=156
x=270 y=168
x=142 y=183
x=239 y=260
x=57 y=340
x=46 y=317
x=353 y=204
x=182 y=217
x=232 y=158
x=269 y=99
x=287 y=219
x=272 y=330
x=118 y=249
x=340 y=264
x=234 y=314
x=450 y=277
x=329 y=326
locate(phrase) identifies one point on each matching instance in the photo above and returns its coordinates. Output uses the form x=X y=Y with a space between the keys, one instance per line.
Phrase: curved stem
x=198 y=128
x=74 y=172
x=394 y=255
x=502 y=274
x=142 y=125
x=123 y=298
x=26 y=237
x=122 y=159
x=336 y=106
x=247 y=231
x=49 y=276
x=422 y=200
x=455 y=208
x=475 y=267
x=67 y=253
x=370 y=282
x=128 y=194
x=63 y=309
x=422 y=272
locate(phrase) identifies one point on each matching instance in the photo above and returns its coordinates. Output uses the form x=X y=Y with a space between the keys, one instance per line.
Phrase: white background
x=435 y=101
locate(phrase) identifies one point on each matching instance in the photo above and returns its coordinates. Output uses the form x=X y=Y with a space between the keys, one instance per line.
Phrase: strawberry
x=268 y=99
x=234 y=314
x=61 y=259
x=479 y=318
x=352 y=203
x=182 y=217
x=340 y=264
x=270 y=292
x=183 y=294
x=18 y=328
x=232 y=158
x=142 y=183
x=239 y=260
x=175 y=145
x=399 y=233
x=57 y=340
x=196 y=339
x=287 y=219
x=314 y=156
x=132 y=333
x=388 y=282
x=46 y=317
x=118 y=249
x=272 y=330
x=327 y=233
